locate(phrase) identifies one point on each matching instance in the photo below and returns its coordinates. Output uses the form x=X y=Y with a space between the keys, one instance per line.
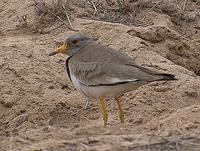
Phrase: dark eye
x=74 y=42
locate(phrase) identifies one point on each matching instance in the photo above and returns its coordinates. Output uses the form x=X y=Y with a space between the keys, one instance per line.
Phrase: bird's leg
x=121 y=111
x=104 y=110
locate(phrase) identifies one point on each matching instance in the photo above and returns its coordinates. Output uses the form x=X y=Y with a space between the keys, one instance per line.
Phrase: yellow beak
x=61 y=49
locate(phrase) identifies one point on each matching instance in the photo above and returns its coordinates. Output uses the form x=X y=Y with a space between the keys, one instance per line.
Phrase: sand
x=40 y=110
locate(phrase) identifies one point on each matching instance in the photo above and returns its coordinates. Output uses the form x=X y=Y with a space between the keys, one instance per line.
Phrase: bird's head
x=72 y=44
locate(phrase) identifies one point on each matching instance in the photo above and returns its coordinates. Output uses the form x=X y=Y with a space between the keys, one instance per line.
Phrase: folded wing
x=95 y=73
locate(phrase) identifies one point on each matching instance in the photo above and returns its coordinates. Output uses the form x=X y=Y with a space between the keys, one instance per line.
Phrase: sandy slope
x=41 y=110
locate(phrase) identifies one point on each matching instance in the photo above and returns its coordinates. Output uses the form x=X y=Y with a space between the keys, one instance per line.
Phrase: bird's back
x=100 y=53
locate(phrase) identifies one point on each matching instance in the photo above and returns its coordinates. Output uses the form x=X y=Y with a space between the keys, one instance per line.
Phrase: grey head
x=73 y=44
x=76 y=42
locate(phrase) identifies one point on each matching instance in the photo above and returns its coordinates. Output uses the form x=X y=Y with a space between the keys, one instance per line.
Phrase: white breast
x=94 y=92
x=76 y=82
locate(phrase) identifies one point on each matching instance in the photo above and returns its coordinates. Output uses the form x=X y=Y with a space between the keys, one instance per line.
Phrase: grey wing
x=94 y=73
x=107 y=54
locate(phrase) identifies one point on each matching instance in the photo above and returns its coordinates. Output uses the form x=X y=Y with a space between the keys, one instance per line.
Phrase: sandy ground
x=40 y=110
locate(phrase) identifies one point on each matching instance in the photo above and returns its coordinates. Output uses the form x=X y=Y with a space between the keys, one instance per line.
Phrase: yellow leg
x=121 y=111
x=104 y=110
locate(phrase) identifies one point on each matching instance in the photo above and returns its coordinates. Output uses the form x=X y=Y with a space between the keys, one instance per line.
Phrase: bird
x=98 y=71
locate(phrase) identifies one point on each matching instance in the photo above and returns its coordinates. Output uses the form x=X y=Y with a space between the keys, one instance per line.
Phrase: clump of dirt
x=182 y=10
x=169 y=43
x=41 y=110
x=49 y=11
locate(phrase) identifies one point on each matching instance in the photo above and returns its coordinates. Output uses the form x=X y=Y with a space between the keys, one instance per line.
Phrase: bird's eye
x=74 y=42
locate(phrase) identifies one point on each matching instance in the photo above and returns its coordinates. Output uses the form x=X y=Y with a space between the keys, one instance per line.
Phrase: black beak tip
x=52 y=53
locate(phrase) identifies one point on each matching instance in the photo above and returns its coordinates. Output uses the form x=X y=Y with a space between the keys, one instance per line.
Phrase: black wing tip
x=168 y=77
